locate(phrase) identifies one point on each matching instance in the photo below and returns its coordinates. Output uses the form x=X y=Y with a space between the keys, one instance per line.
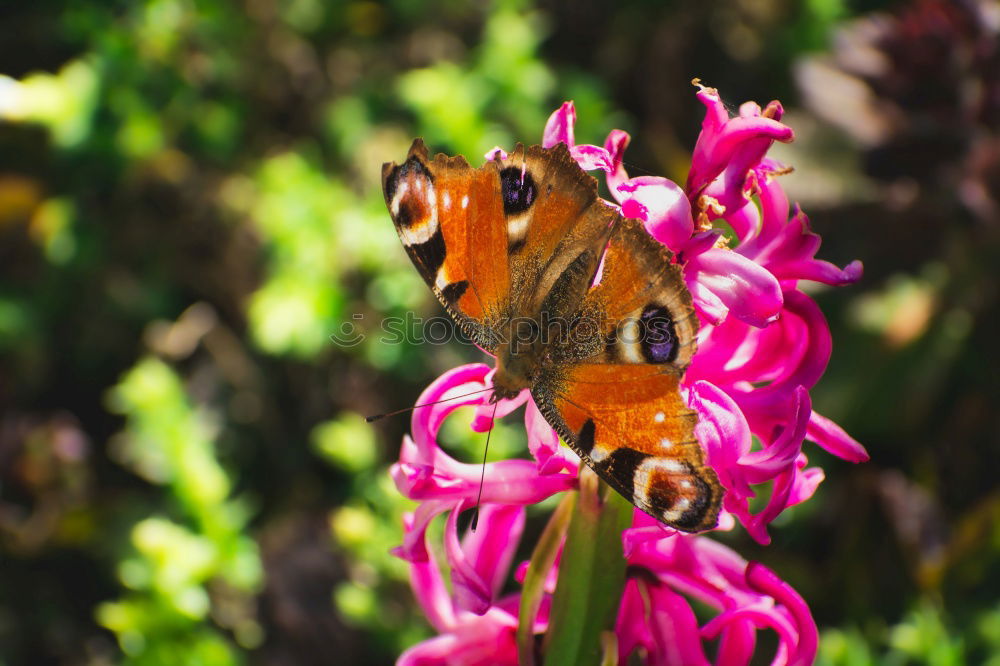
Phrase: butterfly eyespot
x=659 y=339
x=518 y=190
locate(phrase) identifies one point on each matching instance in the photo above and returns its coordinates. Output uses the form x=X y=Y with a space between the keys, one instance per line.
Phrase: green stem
x=591 y=576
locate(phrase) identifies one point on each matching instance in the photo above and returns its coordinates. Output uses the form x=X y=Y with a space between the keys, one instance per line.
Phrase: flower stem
x=542 y=560
x=591 y=576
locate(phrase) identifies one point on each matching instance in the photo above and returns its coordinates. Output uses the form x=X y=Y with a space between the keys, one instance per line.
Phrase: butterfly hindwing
x=631 y=426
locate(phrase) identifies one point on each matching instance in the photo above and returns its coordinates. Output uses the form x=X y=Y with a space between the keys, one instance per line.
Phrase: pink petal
x=789 y=253
x=631 y=626
x=471 y=592
x=432 y=594
x=674 y=629
x=832 y=438
x=485 y=640
x=425 y=421
x=723 y=431
x=747 y=291
x=730 y=148
x=615 y=144
x=661 y=204
x=491 y=547
x=737 y=643
x=745 y=222
x=559 y=127
x=543 y=443
x=803 y=650
x=806 y=483
x=496 y=153
x=591 y=157
x=780 y=454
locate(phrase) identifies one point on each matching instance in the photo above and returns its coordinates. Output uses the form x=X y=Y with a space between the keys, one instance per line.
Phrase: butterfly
x=577 y=304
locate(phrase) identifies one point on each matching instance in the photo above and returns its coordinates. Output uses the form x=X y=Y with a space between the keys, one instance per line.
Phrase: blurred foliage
x=191 y=227
x=170 y=444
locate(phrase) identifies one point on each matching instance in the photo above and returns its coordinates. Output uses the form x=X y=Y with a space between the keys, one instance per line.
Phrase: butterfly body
x=577 y=304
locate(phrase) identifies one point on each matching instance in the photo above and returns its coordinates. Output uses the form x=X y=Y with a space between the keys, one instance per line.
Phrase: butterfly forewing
x=451 y=222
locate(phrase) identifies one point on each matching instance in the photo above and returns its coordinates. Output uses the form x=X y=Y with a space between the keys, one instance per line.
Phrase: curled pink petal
x=559 y=127
x=432 y=595
x=804 y=649
x=832 y=437
x=789 y=253
x=486 y=640
x=723 y=431
x=661 y=205
x=737 y=642
x=591 y=157
x=496 y=153
x=728 y=148
x=674 y=629
x=721 y=278
x=615 y=144
x=781 y=453
x=543 y=443
x=471 y=591
x=490 y=549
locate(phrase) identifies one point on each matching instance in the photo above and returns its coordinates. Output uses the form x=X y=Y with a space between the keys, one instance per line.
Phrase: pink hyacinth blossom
x=762 y=345
x=728 y=149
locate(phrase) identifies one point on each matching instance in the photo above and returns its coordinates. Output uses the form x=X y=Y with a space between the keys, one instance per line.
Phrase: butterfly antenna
x=377 y=417
x=482 y=476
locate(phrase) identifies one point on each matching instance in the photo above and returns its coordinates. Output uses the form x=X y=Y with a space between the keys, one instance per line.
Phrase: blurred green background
x=190 y=207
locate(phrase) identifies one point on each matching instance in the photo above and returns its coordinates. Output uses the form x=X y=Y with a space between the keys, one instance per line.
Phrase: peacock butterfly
x=576 y=303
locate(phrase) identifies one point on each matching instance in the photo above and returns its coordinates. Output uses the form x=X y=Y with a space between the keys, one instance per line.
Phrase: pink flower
x=559 y=129
x=747 y=596
x=762 y=345
x=728 y=149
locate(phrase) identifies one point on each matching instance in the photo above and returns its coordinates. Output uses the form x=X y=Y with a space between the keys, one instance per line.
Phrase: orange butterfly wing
x=448 y=217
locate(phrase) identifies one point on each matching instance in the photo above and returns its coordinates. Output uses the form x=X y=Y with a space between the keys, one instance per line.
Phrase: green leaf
x=542 y=559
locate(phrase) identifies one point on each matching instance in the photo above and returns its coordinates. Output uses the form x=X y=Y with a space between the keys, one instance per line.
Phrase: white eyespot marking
x=517 y=228
x=660 y=417
x=421 y=231
x=666 y=444
x=685 y=484
x=628 y=341
x=398 y=196
x=668 y=465
x=465 y=201
x=446 y=201
x=677 y=511
x=672 y=515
